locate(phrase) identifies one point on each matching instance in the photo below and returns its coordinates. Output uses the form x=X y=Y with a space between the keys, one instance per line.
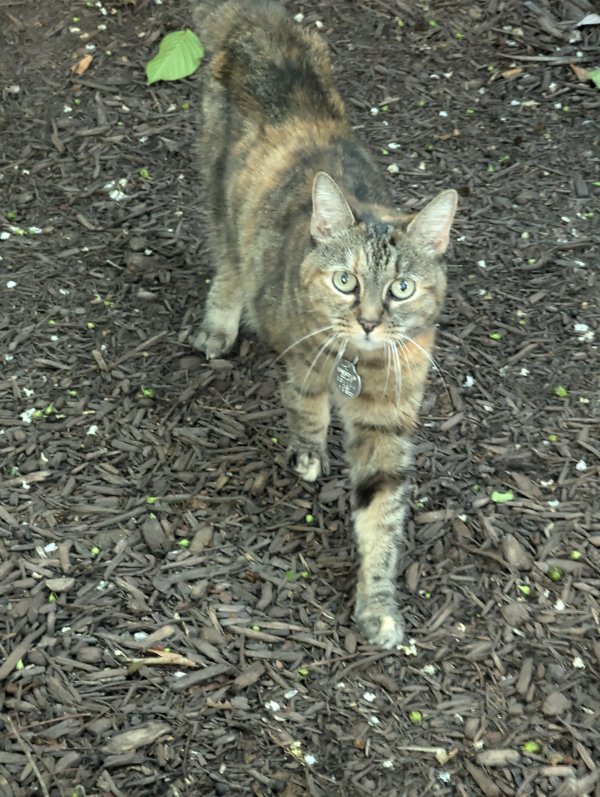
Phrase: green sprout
x=532 y=747
x=11 y=215
x=144 y=173
x=184 y=543
x=496 y=335
x=303 y=672
x=151 y=499
x=501 y=498
x=94 y=550
x=555 y=574
x=575 y=555
x=561 y=391
x=525 y=589
x=309 y=518
x=415 y=717
x=433 y=23
x=148 y=392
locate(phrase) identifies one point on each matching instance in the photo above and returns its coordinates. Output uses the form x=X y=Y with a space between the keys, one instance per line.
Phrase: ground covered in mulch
x=175 y=607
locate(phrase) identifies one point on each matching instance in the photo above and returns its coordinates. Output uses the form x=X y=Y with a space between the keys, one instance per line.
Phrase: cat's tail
x=267 y=64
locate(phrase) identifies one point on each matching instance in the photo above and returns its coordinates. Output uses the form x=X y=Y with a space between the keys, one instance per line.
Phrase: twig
x=547 y=59
x=9 y=723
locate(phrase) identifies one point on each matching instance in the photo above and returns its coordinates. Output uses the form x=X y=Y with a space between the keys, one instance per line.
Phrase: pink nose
x=367 y=325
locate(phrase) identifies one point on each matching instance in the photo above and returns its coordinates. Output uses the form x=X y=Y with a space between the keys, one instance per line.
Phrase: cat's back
x=270 y=67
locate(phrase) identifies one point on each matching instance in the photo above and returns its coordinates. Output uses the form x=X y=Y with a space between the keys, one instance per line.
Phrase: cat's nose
x=368 y=325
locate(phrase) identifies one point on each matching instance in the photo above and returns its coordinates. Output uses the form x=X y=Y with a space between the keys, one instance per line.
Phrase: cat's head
x=376 y=283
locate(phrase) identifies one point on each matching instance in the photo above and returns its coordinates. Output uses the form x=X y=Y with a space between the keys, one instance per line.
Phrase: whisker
x=431 y=359
x=340 y=353
x=388 y=362
x=301 y=340
x=397 y=374
x=328 y=340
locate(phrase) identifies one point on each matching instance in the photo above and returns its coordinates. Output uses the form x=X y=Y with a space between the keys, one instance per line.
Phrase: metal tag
x=347 y=379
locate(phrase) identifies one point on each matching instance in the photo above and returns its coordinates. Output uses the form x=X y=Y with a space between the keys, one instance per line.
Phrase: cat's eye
x=344 y=281
x=403 y=288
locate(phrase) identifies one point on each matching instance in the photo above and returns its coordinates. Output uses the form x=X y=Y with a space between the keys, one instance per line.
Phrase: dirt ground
x=175 y=607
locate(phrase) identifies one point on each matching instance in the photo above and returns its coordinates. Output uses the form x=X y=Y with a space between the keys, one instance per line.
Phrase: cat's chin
x=368 y=344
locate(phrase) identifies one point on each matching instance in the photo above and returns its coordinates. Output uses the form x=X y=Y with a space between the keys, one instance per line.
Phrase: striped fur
x=297 y=212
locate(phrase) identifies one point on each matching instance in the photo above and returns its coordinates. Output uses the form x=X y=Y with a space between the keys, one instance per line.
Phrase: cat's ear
x=430 y=228
x=331 y=213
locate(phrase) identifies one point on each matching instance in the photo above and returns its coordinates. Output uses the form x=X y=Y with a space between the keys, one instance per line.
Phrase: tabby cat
x=312 y=256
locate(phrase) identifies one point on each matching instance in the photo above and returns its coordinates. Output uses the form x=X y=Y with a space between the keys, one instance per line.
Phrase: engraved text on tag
x=347 y=379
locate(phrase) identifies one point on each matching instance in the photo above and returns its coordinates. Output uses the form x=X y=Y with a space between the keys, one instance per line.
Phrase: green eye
x=344 y=281
x=402 y=289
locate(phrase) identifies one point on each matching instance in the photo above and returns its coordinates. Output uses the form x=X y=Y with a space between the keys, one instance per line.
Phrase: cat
x=312 y=256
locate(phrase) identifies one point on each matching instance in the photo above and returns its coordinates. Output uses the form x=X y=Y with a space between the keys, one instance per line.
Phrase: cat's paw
x=309 y=464
x=383 y=627
x=213 y=342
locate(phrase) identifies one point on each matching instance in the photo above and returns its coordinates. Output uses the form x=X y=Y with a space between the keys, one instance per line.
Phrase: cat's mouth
x=366 y=341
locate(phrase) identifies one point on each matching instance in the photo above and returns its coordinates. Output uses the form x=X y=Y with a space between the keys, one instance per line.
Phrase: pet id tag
x=347 y=379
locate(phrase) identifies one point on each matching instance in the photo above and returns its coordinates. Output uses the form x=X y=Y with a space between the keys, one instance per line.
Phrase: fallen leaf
x=168 y=657
x=589 y=19
x=82 y=66
x=580 y=73
x=135 y=738
x=509 y=74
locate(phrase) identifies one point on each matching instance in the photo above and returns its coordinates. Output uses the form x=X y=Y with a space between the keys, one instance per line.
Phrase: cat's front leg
x=381 y=464
x=307 y=405
x=222 y=314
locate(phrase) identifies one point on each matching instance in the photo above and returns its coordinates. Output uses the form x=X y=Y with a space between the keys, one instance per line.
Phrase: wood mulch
x=175 y=607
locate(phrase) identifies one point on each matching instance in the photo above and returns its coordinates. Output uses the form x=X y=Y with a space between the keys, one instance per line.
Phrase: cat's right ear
x=331 y=213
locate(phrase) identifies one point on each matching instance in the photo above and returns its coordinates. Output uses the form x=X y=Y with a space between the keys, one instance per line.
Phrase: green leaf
x=561 y=391
x=594 y=76
x=502 y=498
x=179 y=55
x=555 y=574
x=415 y=717
x=532 y=747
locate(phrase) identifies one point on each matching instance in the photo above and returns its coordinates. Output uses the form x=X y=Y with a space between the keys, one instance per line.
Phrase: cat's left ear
x=430 y=228
x=331 y=213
